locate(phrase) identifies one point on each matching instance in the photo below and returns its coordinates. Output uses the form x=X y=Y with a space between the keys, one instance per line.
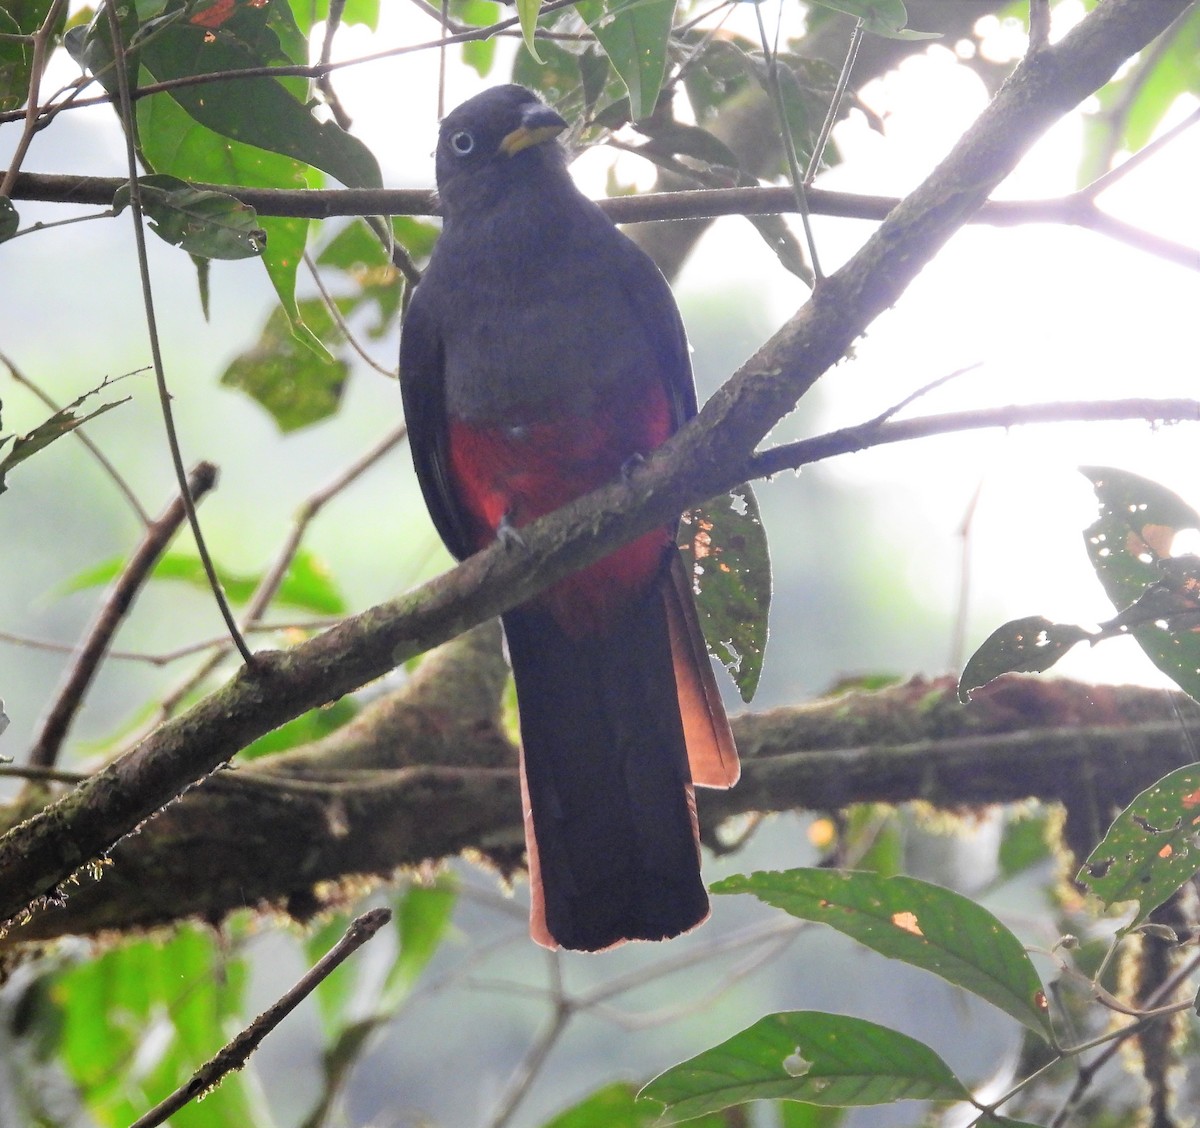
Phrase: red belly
x=519 y=474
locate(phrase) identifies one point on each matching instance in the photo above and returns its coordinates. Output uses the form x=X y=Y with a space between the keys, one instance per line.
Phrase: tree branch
x=707 y=457
x=428 y=772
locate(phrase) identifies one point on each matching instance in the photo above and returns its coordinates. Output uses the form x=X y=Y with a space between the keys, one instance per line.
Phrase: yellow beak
x=540 y=124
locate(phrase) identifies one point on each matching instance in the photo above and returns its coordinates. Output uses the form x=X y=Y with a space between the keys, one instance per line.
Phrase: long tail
x=611 y=818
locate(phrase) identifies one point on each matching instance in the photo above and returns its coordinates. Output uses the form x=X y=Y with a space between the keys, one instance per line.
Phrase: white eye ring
x=462 y=142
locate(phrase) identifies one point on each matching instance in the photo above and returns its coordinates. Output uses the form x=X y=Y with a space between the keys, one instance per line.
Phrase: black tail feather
x=607 y=774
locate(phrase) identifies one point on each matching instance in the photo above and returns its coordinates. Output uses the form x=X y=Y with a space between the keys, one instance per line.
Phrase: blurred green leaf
x=294 y=384
x=1025 y=842
x=617 y=1106
x=421 y=921
x=887 y=18
x=1152 y=848
x=1132 y=106
x=794 y=1115
x=809 y=1056
x=356 y=251
x=62 y=422
x=1022 y=646
x=730 y=566
x=634 y=35
x=922 y=924
x=306 y=728
x=140 y=1018
x=14 y=64
x=308 y=12
x=307 y=584
x=202 y=222
x=480 y=54
x=1130 y=548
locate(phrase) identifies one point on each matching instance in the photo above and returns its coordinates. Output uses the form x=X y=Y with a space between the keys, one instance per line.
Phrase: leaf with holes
x=821 y=1059
x=730 y=566
x=911 y=920
x=1130 y=545
x=1021 y=646
x=202 y=222
x=1152 y=848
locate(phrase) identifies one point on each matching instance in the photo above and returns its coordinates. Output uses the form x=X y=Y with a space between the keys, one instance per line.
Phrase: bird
x=542 y=356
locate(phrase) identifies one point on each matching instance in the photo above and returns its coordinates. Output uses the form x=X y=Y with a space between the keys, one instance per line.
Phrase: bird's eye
x=462 y=142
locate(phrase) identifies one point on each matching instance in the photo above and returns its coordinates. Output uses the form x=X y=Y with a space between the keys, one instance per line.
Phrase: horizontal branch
x=708 y=203
x=426 y=779
x=707 y=457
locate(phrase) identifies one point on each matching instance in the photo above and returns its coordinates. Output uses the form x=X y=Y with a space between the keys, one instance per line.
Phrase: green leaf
x=634 y=35
x=172 y=142
x=202 y=222
x=1152 y=848
x=527 y=13
x=166 y=1006
x=911 y=920
x=731 y=575
x=617 y=1106
x=822 y=1059
x=480 y=54
x=62 y=422
x=262 y=112
x=886 y=18
x=10 y=221
x=1130 y=548
x=307 y=584
x=294 y=384
x=1021 y=646
x=793 y=1115
x=308 y=12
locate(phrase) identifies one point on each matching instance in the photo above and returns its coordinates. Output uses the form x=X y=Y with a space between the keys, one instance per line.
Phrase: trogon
x=541 y=356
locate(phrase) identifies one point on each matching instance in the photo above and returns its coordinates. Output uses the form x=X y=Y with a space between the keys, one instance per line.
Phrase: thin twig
x=1107 y=179
x=120 y=599
x=236 y=1053
x=331 y=305
x=167 y=657
x=839 y=92
x=164 y=395
x=849 y=440
x=324 y=84
x=268 y=586
x=795 y=174
x=123 y=486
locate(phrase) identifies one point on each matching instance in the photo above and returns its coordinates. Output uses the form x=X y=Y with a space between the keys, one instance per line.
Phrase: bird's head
x=495 y=143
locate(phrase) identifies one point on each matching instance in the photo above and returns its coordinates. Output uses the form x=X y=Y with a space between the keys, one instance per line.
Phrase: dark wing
x=422 y=389
x=650 y=297
x=712 y=756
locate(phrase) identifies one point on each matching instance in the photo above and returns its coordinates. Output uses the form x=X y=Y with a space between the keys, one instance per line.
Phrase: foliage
x=216 y=97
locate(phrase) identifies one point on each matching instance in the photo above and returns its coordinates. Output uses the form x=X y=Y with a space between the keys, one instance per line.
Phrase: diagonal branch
x=709 y=456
